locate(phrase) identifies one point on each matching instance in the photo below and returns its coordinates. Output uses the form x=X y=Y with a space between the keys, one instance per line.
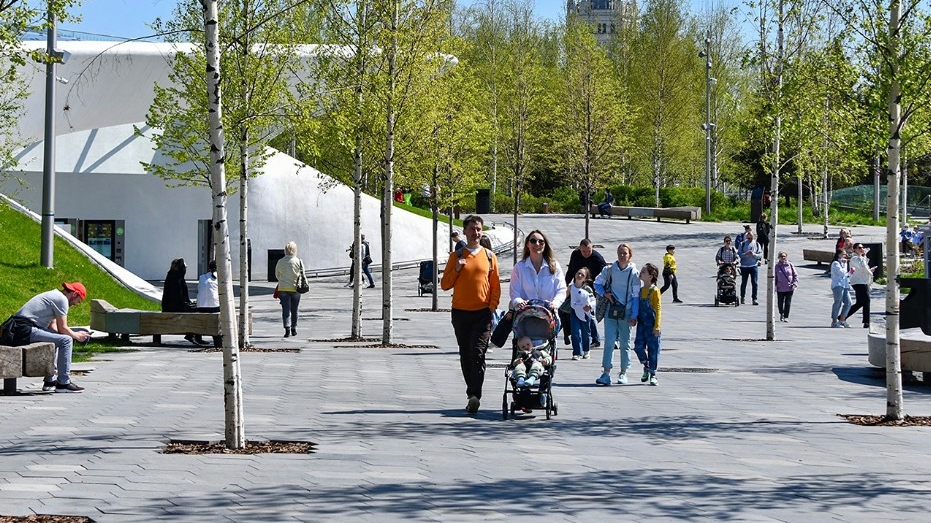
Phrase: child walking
x=647 y=341
x=582 y=299
x=669 y=273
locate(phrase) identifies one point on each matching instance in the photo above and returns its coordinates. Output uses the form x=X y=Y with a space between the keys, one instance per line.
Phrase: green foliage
x=253 y=86
x=24 y=276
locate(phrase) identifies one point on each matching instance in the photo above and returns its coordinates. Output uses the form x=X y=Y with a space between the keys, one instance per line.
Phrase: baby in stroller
x=529 y=378
x=533 y=356
x=726 y=286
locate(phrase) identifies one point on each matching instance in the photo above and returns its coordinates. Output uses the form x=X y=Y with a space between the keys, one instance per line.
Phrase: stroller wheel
x=716 y=302
x=504 y=406
x=555 y=409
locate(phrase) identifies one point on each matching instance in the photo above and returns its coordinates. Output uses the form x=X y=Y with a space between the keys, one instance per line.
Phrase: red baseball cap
x=77 y=287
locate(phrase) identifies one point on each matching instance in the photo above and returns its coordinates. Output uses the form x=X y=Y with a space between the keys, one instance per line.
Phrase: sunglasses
x=537 y=241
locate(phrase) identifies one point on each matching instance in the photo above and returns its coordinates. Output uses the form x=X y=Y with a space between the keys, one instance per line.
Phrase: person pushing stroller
x=536 y=358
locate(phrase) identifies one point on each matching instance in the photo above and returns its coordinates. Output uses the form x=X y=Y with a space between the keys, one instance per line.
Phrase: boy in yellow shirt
x=669 y=273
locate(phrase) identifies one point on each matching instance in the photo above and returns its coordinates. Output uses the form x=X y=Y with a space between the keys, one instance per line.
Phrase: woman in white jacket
x=840 y=287
x=861 y=276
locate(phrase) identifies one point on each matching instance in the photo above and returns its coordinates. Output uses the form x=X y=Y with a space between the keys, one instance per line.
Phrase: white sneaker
x=575 y=357
x=653 y=380
x=586 y=355
x=622 y=378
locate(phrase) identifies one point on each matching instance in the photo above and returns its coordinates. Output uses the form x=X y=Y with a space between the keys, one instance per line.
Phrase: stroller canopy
x=536 y=320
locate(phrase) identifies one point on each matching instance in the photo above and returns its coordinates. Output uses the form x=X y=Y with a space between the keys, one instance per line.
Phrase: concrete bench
x=123 y=322
x=817 y=255
x=677 y=213
x=914 y=346
x=33 y=360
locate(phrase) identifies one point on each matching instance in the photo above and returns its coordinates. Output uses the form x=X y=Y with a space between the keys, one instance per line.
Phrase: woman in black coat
x=763 y=229
x=175 y=295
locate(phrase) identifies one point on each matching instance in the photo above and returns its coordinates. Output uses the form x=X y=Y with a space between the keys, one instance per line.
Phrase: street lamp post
x=48 y=164
x=708 y=126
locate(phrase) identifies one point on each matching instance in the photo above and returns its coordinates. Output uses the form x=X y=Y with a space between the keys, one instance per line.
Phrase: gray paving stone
x=757 y=439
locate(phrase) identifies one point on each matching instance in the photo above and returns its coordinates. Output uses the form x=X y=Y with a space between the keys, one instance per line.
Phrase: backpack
x=15 y=331
x=487 y=253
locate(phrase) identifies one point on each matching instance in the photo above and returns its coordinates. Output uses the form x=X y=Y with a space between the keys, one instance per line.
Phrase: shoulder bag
x=602 y=303
x=302 y=286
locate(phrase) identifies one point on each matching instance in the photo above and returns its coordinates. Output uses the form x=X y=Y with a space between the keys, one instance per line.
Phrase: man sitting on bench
x=604 y=208
x=48 y=313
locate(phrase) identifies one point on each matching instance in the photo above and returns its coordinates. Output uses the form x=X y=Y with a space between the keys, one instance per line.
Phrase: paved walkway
x=737 y=430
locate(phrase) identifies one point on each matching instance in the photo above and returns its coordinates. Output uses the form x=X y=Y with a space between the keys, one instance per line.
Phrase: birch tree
x=522 y=90
x=666 y=84
x=259 y=62
x=592 y=116
x=232 y=382
x=895 y=37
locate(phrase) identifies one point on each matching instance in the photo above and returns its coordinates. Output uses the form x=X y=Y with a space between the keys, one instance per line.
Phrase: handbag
x=275 y=294
x=302 y=286
x=617 y=311
x=503 y=330
x=602 y=303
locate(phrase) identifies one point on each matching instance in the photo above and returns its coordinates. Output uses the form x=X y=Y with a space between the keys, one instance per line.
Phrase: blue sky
x=128 y=18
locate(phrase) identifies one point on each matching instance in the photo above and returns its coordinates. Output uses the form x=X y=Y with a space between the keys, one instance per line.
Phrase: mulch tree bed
x=883 y=421
x=348 y=340
x=397 y=346
x=45 y=518
x=251 y=447
x=247 y=349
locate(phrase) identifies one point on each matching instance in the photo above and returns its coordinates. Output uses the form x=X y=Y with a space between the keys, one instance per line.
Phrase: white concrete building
x=135 y=219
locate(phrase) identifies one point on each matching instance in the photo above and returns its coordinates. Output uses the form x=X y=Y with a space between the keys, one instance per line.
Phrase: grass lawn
x=23 y=276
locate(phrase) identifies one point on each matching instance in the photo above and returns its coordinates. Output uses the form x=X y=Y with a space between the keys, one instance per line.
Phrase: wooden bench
x=33 y=360
x=123 y=322
x=677 y=213
x=817 y=255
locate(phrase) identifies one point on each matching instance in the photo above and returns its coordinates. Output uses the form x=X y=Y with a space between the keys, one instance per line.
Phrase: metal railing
x=496 y=246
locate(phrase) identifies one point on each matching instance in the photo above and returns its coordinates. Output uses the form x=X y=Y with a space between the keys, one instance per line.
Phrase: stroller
x=425 y=278
x=726 y=286
x=537 y=321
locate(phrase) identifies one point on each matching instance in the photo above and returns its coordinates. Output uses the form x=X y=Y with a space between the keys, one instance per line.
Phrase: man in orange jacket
x=472 y=273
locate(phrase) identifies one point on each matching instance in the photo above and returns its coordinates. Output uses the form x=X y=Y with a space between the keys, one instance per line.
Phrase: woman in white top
x=537 y=276
x=840 y=286
x=861 y=276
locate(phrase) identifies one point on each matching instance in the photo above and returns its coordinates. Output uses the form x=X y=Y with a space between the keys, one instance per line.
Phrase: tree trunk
x=244 y=236
x=774 y=186
x=893 y=356
x=232 y=384
x=356 y=267
x=387 y=196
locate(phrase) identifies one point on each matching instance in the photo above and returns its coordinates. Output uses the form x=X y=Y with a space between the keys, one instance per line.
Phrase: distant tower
x=604 y=16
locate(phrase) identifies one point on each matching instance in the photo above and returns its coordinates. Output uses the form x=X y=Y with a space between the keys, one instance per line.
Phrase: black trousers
x=862 y=292
x=669 y=279
x=473 y=329
x=784 y=302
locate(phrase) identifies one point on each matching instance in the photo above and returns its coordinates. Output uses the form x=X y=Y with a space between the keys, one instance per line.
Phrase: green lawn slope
x=22 y=275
